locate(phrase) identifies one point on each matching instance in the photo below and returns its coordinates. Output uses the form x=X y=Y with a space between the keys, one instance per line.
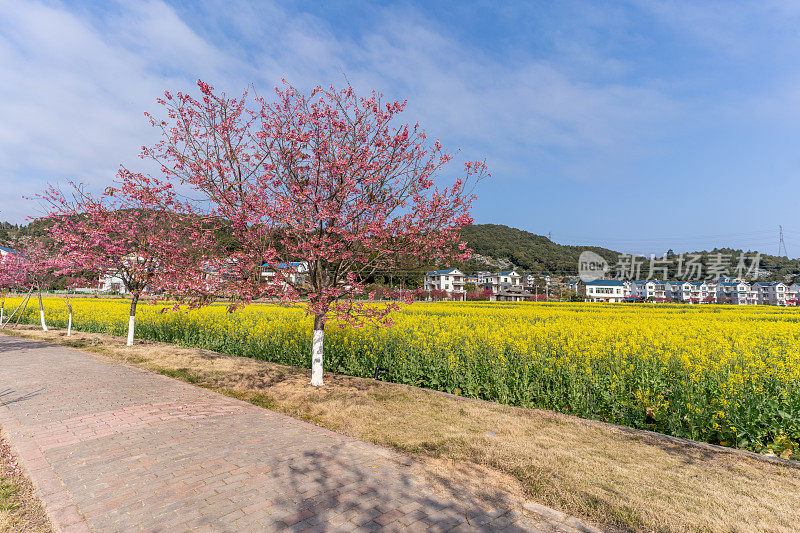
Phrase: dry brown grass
x=20 y=510
x=603 y=473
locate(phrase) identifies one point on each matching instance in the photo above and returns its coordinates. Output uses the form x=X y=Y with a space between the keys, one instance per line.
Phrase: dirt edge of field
x=612 y=476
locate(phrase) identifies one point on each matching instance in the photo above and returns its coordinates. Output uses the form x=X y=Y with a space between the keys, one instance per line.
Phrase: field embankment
x=611 y=475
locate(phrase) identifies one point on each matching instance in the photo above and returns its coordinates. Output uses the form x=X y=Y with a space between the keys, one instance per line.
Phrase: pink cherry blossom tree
x=320 y=190
x=137 y=231
x=35 y=264
x=9 y=280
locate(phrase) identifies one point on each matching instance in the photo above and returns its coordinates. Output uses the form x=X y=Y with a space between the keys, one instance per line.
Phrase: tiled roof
x=441 y=272
x=614 y=282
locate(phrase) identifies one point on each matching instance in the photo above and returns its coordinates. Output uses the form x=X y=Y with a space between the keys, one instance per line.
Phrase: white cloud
x=75 y=84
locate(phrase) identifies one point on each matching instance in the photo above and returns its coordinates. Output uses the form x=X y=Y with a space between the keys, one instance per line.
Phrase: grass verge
x=20 y=510
x=610 y=475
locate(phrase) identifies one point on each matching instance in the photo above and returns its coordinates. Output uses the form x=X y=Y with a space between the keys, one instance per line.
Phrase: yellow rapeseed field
x=722 y=374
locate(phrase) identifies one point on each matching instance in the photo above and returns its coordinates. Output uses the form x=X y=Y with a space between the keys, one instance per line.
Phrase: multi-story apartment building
x=793 y=294
x=502 y=281
x=679 y=291
x=653 y=290
x=450 y=280
x=770 y=293
x=703 y=292
x=735 y=293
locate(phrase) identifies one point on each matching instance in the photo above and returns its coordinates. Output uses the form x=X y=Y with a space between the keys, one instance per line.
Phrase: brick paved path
x=115 y=448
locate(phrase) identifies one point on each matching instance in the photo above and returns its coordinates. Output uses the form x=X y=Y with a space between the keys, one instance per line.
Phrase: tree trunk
x=2 y=312
x=132 y=318
x=316 y=350
x=69 y=320
x=41 y=309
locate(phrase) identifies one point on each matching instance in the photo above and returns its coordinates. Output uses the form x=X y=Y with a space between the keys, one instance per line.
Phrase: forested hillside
x=536 y=253
x=528 y=251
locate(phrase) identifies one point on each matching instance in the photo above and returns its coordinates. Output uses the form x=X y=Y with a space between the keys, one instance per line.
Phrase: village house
x=108 y=283
x=299 y=271
x=514 y=293
x=643 y=290
x=793 y=294
x=483 y=277
x=502 y=281
x=770 y=293
x=734 y=293
x=602 y=290
x=703 y=292
x=450 y=280
x=5 y=251
x=680 y=291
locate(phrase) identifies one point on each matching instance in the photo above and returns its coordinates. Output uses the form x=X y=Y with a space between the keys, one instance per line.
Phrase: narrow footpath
x=112 y=448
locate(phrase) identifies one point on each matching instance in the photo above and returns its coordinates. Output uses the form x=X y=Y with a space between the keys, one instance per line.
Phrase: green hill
x=536 y=253
x=527 y=251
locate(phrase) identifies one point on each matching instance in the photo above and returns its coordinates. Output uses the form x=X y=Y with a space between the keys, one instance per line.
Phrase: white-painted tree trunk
x=69 y=320
x=132 y=318
x=131 y=326
x=2 y=312
x=41 y=312
x=316 y=357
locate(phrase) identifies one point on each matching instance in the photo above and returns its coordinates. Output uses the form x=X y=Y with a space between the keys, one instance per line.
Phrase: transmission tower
x=781 y=243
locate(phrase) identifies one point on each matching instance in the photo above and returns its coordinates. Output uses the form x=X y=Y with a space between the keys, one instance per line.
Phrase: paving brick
x=115 y=448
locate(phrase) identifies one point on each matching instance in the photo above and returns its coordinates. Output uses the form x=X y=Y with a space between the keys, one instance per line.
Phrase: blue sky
x=640 y=126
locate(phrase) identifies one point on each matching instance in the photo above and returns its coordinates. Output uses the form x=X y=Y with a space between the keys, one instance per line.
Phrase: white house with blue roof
x=297 y=271
x=5 y=251
x=680 y=291
x=735 y=293
x=603 y=290
x=771 y=292
x=448 y=279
